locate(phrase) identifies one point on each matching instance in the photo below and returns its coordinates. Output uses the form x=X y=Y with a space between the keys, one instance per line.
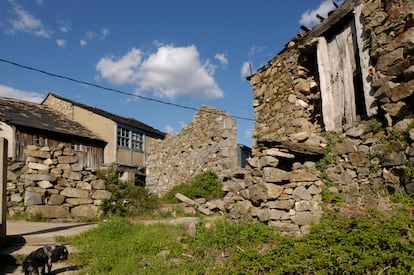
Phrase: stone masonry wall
x=295 y=160
x=209 y=142
x=53 y=183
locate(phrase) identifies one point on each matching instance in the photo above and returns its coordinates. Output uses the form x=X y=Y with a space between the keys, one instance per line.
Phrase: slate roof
x=37 y=116
x=118 y=119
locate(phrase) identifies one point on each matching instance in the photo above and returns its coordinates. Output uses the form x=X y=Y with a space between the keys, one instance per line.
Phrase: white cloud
x=90 y=35
x=248 y=133
x=39 y=2
x=256 y=50
x=83 y=43
x=61 y=42
x=64 y=28
x=309 y=17
x=10 y=92
x=169 y=129
x=174 y=71
x=122 y=71
x=104 y=33
x=169 y=72
x=222 y=58
x=245 y=70
x=26 y=22
x=183 y=124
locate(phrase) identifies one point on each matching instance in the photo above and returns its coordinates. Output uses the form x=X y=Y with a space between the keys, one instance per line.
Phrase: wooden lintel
x=347 y=7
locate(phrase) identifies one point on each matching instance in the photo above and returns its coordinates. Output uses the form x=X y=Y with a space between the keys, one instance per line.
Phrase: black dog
x=43 y=257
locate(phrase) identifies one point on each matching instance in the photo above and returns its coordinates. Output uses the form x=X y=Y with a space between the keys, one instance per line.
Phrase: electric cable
x=113 y=90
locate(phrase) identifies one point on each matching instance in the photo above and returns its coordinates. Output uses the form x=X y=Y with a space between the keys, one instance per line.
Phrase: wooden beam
x=346 y=8
x=305 y=28
x=320 y=17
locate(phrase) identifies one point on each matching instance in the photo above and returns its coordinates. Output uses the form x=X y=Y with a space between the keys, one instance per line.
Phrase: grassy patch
x=374 y=243
x=204 y=185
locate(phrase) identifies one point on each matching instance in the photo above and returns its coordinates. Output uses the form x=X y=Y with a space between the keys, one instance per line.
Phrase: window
x=41 y=141
x=137 y=141
x=76 y=146
x=123 y=137
x=130 y=139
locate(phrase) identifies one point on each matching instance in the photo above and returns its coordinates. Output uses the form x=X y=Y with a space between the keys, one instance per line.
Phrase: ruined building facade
x=325 y=108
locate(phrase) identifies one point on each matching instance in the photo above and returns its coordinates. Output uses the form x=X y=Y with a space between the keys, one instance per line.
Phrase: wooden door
x=336 y=64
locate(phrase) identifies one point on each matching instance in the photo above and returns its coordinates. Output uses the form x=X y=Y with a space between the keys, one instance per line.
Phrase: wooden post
x=3 y=184
x=370 y=102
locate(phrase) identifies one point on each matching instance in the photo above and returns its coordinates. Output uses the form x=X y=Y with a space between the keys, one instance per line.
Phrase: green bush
x=204 y=185
x=127 y=199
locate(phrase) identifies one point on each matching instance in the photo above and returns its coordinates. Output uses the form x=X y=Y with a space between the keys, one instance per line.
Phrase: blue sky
x=186 y=52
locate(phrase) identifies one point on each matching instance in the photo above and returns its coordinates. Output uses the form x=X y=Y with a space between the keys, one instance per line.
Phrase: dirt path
x=24 y=237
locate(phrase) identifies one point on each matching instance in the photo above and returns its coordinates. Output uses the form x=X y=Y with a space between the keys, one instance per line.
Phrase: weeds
x=127 y=199
x=373 y=243
x=204 y=185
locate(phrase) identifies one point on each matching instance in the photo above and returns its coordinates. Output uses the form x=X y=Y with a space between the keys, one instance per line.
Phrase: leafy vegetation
x=127 y=199
x=332 y=198
x=372 y=243
x=204 y=185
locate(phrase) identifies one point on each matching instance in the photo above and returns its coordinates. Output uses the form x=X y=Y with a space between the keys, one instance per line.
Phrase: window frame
x=128 y=138
x=40 y=140
x=122 y=137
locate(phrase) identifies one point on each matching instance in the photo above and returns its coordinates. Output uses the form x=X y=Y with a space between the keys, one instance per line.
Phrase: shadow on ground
x=8 y=262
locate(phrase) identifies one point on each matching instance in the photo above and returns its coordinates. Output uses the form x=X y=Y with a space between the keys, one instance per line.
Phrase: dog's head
x=60 y=252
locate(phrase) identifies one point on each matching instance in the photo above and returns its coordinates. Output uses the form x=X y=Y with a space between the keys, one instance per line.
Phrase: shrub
x=127 y=198
x=204 y=185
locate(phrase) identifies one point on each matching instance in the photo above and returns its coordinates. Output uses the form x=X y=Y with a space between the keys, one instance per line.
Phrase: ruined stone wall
x=209 y=142
x=390 y=28
x=52 y=183
x=286 y=100
x=295 y=160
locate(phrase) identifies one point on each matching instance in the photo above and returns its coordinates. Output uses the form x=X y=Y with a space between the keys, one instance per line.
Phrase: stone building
x=127 y=140
x=326 y=110
x=55 y=149
x=209 y=142
x=24 y=124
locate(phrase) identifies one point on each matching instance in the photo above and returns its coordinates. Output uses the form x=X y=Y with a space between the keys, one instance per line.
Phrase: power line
x=113 y=90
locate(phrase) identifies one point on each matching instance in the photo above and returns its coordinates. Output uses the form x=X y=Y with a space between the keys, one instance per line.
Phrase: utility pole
x=3 y=184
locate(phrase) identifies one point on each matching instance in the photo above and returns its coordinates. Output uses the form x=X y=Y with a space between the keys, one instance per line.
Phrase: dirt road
x=24 y=237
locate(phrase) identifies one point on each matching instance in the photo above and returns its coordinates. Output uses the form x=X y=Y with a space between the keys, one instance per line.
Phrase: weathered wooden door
x=336 y=59
x=343 y=66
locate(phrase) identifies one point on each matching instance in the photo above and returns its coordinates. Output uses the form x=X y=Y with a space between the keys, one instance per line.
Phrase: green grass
x=375 y=243
x=204 y=185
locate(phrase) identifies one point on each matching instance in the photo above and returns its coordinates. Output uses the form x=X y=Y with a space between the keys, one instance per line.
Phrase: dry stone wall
x=209 y=142
x=52 y=183
x=295 y=160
